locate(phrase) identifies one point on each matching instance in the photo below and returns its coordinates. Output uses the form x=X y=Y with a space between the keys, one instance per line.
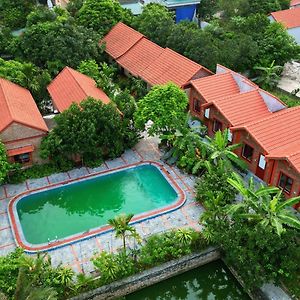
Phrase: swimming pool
x=67 y=212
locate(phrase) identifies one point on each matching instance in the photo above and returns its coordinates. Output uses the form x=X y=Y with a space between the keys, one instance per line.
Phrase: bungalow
x=228 y=99
x=21 y=125
x=138 y=56
x=257 y=120
x=272 y=149
x=72 y=86
x=290 y=18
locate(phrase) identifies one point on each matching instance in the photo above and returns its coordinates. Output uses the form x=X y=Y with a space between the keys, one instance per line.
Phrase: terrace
x=77 y=255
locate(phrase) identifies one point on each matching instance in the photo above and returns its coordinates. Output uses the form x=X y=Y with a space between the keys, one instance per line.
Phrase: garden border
x=152 y=276
x=29 y=248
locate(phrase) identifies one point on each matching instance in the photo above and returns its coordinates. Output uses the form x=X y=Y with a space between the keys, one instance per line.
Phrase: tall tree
x=180 y=35
x=60 y=43
x=92 y=131
x=4 y=164
x=102 y=15
x=165 y=106
x=155 y=22
x=13 y=13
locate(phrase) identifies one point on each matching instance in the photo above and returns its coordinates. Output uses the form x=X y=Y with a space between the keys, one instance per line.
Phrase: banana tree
x=219 y=149
x=264 y=206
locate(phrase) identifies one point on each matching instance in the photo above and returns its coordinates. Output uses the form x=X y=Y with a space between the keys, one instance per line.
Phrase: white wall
x=295 y=32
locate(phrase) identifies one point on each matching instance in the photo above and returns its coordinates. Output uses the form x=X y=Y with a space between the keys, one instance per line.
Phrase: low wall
x=149 y=277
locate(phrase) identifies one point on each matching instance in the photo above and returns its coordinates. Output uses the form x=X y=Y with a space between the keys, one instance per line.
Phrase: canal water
x=213 y=281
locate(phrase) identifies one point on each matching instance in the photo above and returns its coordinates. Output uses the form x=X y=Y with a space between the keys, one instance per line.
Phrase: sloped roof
x=290 y=18
x=289 y=152
x=140 y=56
x=295 y=2
x=215 y=86
x=71 y=86
x=120 y=39
x=242 y=108
x=17 y=105
x=171 y=66
x=281 y=129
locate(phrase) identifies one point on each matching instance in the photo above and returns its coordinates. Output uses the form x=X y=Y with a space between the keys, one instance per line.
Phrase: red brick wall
x=284 y=167
x=244 y=138
x=17 y=135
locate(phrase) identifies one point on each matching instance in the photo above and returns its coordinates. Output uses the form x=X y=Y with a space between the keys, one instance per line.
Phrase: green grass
x=293 y=286
x=289 y=99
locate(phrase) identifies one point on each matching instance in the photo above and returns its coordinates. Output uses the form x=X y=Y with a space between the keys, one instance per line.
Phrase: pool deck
x=78 y=254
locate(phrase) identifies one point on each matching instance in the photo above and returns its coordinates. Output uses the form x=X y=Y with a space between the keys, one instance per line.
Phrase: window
x=206 y=113
x=285 y=183
x=22 y=158
x=197 y=105
x=217 y=126
x=229 y=136
x=247 y=152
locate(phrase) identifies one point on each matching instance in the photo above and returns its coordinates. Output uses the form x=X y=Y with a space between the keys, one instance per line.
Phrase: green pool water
x=210 y=282
x=75 y=208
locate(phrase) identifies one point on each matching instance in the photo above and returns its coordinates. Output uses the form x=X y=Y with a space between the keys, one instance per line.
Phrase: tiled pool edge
x=18 y=233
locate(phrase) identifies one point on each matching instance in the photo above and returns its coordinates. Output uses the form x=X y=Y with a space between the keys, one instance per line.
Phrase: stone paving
x=78 y=255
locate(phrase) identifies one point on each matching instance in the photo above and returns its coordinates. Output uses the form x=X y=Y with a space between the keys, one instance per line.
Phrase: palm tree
x=269 y=76
x=220 y=150
x=264 y=206
x=122 y=228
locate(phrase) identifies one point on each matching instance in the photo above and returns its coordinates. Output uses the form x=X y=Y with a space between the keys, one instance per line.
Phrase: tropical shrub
x=213 y=183
x=113 y=266
x=4 y=164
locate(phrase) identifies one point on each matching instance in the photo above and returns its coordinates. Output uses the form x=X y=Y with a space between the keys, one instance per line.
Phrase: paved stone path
x=78 y=255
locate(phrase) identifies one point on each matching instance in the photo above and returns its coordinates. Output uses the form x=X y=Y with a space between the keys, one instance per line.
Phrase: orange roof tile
x=140 y=56
x=171 y=66
x=17 y=105
x=242 y=108
x=295 y=2
x=281 y=129
x=120 y=39
x=215 y=86
x=290 y=18
x=71 y=86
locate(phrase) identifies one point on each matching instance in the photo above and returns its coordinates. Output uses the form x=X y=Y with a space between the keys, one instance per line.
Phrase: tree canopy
x=155 y=22
x=91 y=131
x=102 y=15
x=13 y=13
x=53 y=45
x=28 y=76
x=165 y=106
x=4 y=164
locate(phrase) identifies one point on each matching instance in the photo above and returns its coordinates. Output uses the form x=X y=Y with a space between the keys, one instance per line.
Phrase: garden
x=266 y=231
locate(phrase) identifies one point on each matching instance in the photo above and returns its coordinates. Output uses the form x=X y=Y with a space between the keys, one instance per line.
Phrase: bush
x=38 y=171
x=214 y=183
x=113 y=266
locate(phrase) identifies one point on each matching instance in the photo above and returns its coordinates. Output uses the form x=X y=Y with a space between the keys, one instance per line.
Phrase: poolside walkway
x=78 y=255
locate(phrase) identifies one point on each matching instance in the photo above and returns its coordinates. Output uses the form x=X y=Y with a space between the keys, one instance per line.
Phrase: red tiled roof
x=71 y=86
x=215 y=86
x=242 y=108
x=290 y=18
x=17 y=105
x=140 y=56
x=281 y=129
x=171 y=66
x=120 y=39
x=294 y=2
